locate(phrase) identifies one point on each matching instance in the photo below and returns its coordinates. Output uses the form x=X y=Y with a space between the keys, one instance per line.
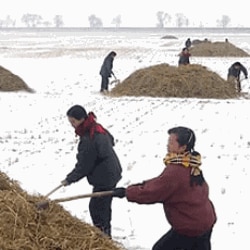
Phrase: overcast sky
x=137 y=13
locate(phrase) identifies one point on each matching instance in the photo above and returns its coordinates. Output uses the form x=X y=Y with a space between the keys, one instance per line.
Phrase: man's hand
x=119 y=192
x=64 y=183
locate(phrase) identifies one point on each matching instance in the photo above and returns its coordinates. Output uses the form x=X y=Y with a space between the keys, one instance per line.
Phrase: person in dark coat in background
x=107 y=70
x=188 y=43
x=96 y=160
x=184 y=57
x=183 y=192
x=234 y=72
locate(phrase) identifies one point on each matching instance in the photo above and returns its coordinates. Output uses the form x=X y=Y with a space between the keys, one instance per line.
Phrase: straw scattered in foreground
x=25 y=227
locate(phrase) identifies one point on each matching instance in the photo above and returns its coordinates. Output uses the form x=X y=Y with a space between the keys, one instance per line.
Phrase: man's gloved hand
x=119 y=192
x=64 y=183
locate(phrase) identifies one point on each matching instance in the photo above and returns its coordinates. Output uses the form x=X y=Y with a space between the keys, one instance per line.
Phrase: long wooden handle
x=95 y=194
x=52 y=191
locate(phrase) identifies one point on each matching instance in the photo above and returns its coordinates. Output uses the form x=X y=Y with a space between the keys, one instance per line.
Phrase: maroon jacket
x=188 y=209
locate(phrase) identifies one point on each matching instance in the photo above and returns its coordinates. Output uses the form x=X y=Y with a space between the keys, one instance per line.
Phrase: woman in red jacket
x=184 y=57
x=184 y=193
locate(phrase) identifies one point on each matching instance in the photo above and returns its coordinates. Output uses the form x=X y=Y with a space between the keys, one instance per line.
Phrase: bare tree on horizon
x=31 y=20
x=8 y=22
x=162 y=19
x=224 y=21
x=117 y=21
x=181 y=20
x=58 y=21
x=95 y=22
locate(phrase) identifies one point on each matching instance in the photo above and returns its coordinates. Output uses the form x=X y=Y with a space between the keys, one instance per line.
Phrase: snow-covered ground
x=38 y=145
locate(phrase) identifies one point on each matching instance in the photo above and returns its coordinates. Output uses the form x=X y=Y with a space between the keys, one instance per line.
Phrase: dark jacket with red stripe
x=187 y=208
x=96 y=160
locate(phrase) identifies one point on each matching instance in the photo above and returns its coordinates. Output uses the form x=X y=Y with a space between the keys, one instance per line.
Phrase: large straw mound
x=217 y=49
x=25 y=227
x=12 y=82
x=164 y=80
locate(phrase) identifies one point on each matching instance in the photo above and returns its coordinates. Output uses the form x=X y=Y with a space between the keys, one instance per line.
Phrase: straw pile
x=12 y=82
x=25 y=227
x=216 y=49
x=164 y=80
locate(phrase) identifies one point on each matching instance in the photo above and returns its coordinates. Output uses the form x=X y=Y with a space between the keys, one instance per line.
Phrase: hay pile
x=12 y=82
x=216 y=49
x=164 y=80
x=23 y=226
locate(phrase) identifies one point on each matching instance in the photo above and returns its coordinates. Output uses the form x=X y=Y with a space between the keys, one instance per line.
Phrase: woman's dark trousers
x=101 y=211
x=174 y=241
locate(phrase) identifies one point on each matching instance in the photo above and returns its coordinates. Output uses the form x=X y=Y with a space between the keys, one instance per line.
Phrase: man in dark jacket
x=188 y=43
x=107 y=70
x=96 y=160
x=233 y=75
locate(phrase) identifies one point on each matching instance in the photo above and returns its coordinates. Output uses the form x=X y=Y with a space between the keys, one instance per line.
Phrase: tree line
x=163 y=19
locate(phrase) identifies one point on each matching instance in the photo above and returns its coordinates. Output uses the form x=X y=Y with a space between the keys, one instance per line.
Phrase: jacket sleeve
x=244 y=70
x=229 y=73
x=112 y=139
x=155 y=190
x=86 y=157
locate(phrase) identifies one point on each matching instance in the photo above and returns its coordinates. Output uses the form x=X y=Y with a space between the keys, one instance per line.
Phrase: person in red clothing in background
x=184 y=57
x=184 y=193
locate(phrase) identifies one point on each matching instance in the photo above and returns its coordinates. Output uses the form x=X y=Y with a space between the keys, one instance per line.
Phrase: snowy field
x=38 y=145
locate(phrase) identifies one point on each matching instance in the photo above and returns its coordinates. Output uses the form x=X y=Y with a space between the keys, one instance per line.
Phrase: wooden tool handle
x=52 y=191
x=95 y=194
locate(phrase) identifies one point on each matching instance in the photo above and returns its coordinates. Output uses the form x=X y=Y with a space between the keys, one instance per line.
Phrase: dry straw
x=25 y=227
x=217 y=49
x=195 y=81
x=12 y=82
x=163 y=80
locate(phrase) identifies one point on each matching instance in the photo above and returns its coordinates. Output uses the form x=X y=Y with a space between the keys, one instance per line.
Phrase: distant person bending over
x=183 y=192
x=184 y=57
x=107 y=70
x=97 y=161
x=234 y=72
x=188 y=43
